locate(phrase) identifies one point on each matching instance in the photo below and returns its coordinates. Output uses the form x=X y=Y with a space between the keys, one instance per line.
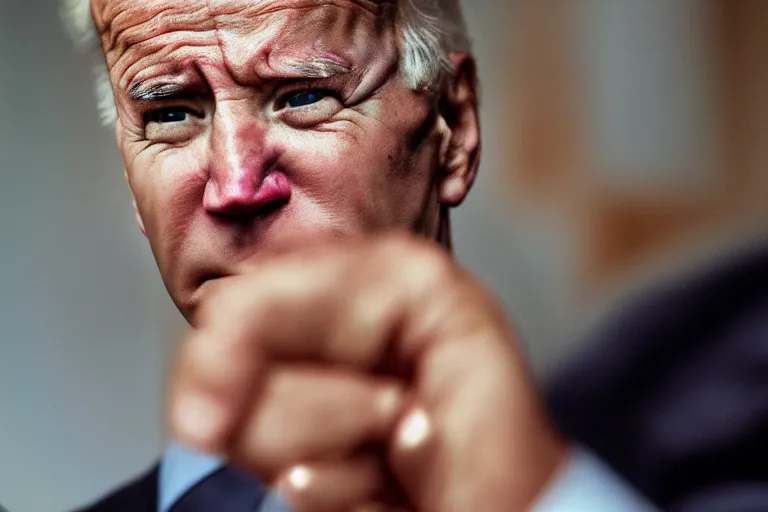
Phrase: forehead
x=108 y=9
x=246 y=32
x=130 y=20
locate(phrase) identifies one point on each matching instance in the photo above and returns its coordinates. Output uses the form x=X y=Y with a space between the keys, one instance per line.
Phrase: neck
x=444 y=231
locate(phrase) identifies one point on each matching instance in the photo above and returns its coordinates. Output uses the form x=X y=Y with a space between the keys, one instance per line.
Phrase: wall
x=81 y=348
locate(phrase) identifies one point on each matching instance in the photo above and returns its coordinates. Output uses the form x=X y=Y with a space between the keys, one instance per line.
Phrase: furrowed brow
x=318 y=68
x=143 y=92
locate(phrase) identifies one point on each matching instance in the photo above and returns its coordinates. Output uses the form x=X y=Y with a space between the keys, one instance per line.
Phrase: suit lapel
x=139 y=495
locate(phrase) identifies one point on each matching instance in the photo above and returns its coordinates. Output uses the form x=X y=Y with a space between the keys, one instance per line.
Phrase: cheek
x=168 y=189
x=370 y=180
x=400 y=187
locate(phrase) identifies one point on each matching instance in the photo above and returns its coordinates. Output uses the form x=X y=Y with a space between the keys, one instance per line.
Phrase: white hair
x=430 y=30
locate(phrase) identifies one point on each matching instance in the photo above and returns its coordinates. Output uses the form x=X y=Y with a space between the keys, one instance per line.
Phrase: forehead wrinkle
x=235 y=7
x=156 y=21
x=123 y=28
x=269 y=45
x=110 y=26
x=165 y=61
x=242 y=20
x=169 y=21
x=114 y=28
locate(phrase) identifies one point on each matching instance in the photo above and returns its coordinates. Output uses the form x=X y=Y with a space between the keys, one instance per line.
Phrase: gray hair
x=431 y=30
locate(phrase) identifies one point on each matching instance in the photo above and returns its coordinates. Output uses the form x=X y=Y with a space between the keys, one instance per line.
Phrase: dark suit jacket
x=139 y=495
x=673 y=392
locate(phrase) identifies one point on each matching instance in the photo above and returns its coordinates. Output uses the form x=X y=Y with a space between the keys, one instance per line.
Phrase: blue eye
x=304 y=98
x=168 y=115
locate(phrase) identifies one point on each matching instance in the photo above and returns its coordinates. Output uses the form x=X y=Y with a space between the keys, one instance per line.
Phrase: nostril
x=274 y=188
x=273 y=192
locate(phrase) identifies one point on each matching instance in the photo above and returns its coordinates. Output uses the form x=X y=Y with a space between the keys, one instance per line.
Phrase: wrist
x=546 y=462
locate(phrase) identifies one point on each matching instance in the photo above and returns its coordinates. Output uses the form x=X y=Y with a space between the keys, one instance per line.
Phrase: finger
x=291 y=307
x=412 y=456
x=339 y=304
x=343 y=307
x=482 y=440
x=286 y=310
x=333 y=486
x=377 y=507
x=309 y=413
x=210 y=390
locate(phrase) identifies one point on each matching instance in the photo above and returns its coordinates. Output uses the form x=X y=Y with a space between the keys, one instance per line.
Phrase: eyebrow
x=291 y=70
x=141 y=92
x=317 y=68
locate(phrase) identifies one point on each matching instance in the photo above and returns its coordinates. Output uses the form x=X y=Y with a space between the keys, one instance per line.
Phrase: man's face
x=245 y=124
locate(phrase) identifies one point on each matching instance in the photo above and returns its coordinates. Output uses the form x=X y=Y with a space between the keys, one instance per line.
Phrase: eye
x=169 y=115
x=173 y=125
x=304 y=98
x=307 y=108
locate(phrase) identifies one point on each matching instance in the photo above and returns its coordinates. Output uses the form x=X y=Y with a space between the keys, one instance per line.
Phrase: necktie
x=226 y=490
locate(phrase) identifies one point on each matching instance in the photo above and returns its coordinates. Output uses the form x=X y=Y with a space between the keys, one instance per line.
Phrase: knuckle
x=258 y=450
x=199 y=420
x=431 y=265
x=422 y=258
x=218 y=298
x=406 y=243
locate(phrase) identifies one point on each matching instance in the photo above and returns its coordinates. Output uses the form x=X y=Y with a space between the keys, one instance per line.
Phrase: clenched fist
x=365 y=375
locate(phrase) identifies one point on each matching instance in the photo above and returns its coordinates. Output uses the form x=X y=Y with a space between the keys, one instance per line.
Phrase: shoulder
x=672 y=390
x=139 y=495
x=716 y=315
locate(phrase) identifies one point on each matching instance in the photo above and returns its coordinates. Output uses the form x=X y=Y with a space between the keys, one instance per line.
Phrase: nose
x=243 y=179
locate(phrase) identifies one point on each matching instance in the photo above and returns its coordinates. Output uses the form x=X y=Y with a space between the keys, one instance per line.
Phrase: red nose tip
x=239 y=198
x=274 y=189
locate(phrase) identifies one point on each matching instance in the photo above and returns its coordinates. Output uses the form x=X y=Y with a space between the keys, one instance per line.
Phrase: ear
x=460 y=158
x=139 y=220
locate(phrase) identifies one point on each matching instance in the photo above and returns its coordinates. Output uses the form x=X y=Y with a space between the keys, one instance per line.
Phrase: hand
x=307 y=365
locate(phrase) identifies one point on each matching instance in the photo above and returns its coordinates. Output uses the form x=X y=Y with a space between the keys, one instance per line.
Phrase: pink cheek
x=174 y=192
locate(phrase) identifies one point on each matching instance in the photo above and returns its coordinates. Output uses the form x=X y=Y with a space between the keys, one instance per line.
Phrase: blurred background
x=625 y=144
